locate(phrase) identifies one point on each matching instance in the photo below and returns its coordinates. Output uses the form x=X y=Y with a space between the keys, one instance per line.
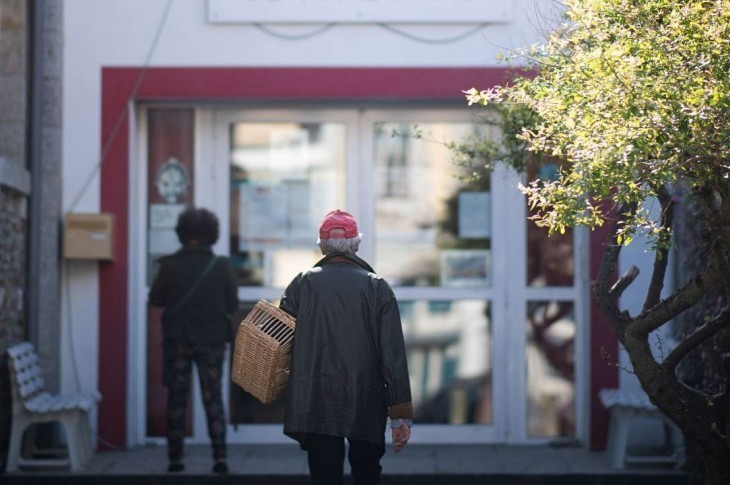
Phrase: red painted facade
x=123 y=86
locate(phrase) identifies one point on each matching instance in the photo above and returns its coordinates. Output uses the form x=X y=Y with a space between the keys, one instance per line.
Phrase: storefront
x=501 y=342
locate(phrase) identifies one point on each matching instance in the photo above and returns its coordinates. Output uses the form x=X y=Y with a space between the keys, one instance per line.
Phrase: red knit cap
x=337 y=219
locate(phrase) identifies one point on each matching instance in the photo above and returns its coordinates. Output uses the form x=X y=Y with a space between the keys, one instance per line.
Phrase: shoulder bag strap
x=169 y=313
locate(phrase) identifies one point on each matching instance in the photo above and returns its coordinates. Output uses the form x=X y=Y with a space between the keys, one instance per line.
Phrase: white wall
x=644 y=431
x=121 y=33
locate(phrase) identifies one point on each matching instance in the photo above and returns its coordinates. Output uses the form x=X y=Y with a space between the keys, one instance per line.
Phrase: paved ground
x=417 y=464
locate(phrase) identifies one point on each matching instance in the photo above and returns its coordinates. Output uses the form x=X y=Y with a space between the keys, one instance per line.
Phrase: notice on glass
x=165 y=215
x=466 y=267
x=301 y=230
x=263 y=219
x=475 y=215
x=163 y=241
x=288 y=150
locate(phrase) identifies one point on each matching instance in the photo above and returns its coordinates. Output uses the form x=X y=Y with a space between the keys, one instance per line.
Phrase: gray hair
x=340 y=245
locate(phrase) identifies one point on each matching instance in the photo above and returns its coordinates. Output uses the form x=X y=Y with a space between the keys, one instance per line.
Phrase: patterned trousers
x=208 y=359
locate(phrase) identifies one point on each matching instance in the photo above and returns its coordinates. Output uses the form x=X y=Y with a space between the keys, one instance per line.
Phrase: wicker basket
x=262 y=353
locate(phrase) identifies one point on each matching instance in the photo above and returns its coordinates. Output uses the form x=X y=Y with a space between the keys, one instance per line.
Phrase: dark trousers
x=208 y=359
x=326 y=456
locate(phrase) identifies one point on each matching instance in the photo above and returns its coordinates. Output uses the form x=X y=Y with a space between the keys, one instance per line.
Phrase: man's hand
x=401 y=436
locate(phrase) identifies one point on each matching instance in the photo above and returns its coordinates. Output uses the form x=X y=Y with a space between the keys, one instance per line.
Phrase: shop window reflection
x=550 y=257
x=550 y=368
x=283 y=177
x=449 y=360
x=432 y=219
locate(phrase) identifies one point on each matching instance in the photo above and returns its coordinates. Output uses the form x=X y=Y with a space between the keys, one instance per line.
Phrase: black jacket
x=349 y=362
x=204 y=317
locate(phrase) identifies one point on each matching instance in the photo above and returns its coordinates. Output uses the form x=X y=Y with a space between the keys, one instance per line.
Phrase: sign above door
x=360 y=11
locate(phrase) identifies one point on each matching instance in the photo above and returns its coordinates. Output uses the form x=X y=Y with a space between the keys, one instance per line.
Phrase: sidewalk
x=417 y=464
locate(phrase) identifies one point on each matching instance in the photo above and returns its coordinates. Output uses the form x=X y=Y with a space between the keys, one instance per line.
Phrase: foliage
x=633 y=98
x=480 y=154
x=635 y=95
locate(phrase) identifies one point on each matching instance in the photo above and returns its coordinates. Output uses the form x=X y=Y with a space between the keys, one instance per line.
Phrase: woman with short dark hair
x=198 y=293
x=197 y=227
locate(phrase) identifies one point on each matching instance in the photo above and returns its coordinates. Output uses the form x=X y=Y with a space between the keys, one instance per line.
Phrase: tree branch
x=609 y=261
x=661 y=259
x=603 y=293
x=693 y=340
x=678 y=302
x=718 y=223
x=604 y=301
x=618 y=288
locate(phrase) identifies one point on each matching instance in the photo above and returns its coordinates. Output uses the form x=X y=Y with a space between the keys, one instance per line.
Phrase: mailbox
x=88 y=236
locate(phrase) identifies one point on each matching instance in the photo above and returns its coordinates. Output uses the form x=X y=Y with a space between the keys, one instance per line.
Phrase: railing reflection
x=449 y=352
x=550 y=357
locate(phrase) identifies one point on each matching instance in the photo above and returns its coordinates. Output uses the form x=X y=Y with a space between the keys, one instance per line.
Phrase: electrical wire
x=123 y=112
x=319 y=30
x=423 y=40
x=72 y=347
x=85 y=186
x=324 y=28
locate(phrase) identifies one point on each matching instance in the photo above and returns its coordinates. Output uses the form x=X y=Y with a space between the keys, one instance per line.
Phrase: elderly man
x=349 y=369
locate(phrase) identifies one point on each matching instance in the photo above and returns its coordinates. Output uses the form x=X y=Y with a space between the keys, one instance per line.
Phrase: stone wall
x=14 y=80
x=30 y=203
x=12 y=285
x=12 y=267
x=14 y=192
x=41 y=285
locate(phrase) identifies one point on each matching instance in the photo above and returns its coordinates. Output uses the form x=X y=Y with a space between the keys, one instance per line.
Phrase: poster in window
x=474 y=215
x=164 y=216
x=301 y=229
x=466 y=267
x=274 y=216
x=162 y=241
x=263 y=216
x=288 y=150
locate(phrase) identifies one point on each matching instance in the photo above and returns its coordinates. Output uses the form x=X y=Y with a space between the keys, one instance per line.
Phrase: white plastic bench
x=624 y=406
x=33 y=405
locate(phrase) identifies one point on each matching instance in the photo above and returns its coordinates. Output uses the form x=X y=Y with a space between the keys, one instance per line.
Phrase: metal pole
x=33 y=293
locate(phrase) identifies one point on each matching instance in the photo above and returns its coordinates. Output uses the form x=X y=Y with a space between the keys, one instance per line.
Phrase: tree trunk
x=717 y=469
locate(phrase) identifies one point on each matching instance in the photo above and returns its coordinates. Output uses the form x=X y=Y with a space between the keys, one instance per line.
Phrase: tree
x=633 y=96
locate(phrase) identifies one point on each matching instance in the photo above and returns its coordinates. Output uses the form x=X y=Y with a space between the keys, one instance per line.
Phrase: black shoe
x=220 y=467
x=175 y=467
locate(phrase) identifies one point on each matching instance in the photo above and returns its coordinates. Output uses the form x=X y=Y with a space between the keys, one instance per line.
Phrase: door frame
x=211 y=162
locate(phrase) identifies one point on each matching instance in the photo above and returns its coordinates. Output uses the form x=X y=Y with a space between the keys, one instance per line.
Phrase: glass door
x=492 y=308
x=284 y=170
x=433 y=238
x=552 y=296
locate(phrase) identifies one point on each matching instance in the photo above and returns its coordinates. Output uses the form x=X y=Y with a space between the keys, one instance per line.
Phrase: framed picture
x=466 y=267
